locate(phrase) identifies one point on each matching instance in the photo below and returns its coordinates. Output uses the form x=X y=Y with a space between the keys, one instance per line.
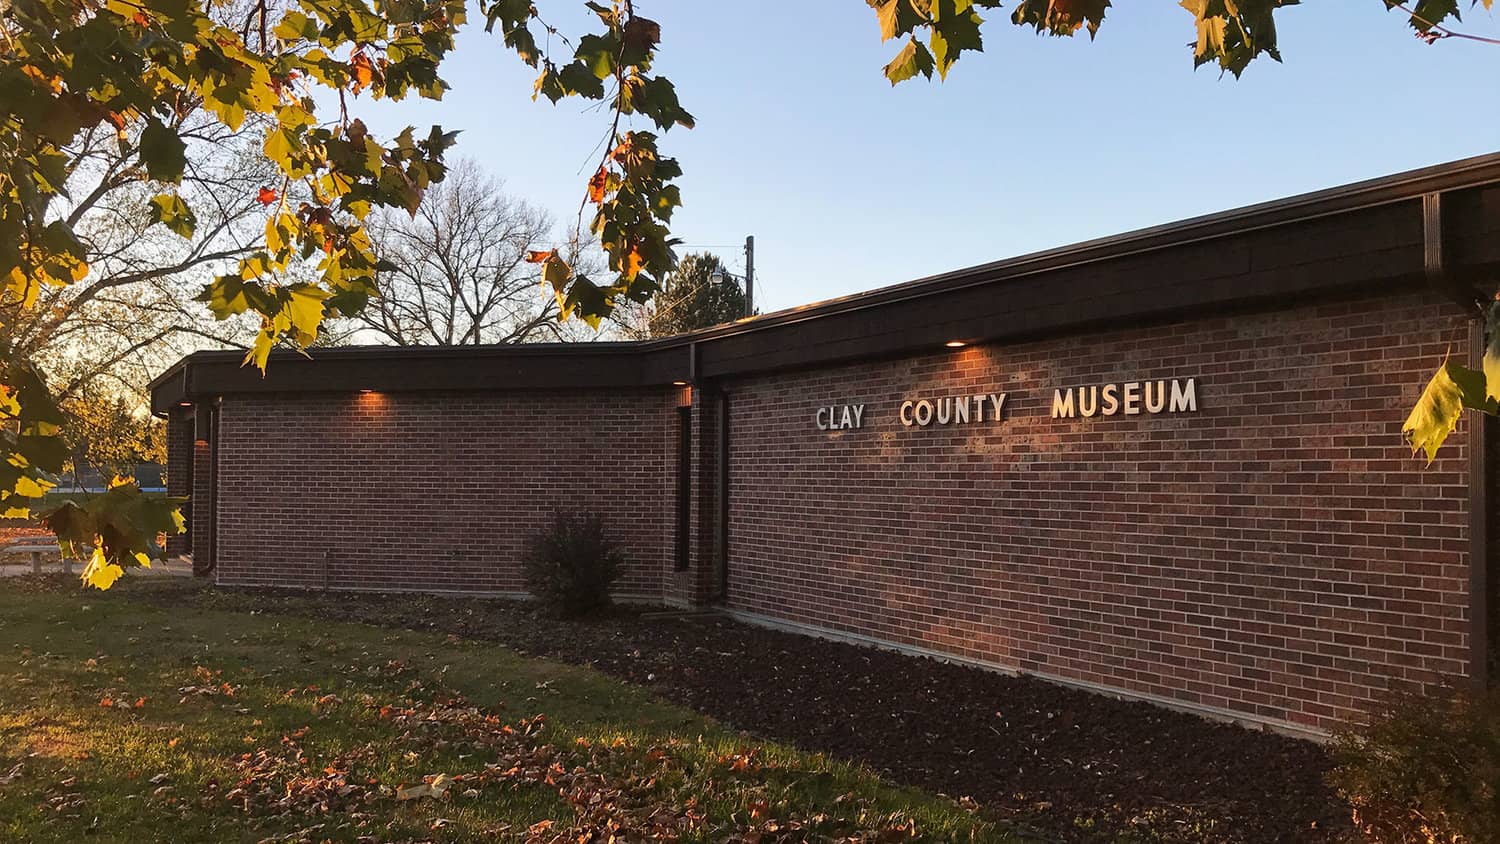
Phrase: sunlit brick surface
x=1278 y=553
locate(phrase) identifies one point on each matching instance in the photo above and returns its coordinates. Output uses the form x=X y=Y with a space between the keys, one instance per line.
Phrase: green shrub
x=1425 y=768
x=570 y=564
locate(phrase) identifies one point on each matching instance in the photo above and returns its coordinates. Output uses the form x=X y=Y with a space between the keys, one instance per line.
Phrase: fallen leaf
x=435 y=789
x=15 y=774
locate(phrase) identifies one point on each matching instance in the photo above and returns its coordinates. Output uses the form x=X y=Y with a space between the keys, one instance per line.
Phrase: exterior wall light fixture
x=955 y=344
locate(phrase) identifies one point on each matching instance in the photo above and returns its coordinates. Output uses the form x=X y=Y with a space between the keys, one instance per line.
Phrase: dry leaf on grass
x=436 y=789
x=12 y=776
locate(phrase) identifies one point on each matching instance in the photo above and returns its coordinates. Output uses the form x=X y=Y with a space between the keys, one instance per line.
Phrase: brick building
x=1166 y=465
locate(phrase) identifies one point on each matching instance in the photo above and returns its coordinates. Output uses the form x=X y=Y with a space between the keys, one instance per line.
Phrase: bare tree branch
x=461 y=274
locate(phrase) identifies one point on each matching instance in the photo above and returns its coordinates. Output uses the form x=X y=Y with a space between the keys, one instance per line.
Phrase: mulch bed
x=1065 y=764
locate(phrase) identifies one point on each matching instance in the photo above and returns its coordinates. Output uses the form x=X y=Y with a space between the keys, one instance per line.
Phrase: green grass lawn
x=124 y=722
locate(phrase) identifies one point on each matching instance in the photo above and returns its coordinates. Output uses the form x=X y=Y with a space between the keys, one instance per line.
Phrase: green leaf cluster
x=137 y=67
x=31 y=434
x=119 y=529
x=1425 y=16
x=1234 y=33
x=1230 y=33
x=632 y=188
x=952 y=27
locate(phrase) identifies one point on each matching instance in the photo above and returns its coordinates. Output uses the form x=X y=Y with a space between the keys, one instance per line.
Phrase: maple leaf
x=599 y=185
x=163 y=152
x=556 y=272
x=169 y=210
x=100 y=572
x=1437 y=411
x=436 y=789
x=641 y=34
x=266 y=196
x=304 y=310
x=363 y=71
x=634 y=261
x=913 y=59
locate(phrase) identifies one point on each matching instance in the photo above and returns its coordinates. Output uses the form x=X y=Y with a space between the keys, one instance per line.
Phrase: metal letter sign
x=1126 y=398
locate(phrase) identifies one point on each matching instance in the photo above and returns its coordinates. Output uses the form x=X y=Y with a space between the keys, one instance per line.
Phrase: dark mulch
x=1071 y=765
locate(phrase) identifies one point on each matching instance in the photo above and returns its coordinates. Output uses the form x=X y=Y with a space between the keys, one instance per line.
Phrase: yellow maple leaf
x=305 y=310
x=32 y=487
x=100 y=573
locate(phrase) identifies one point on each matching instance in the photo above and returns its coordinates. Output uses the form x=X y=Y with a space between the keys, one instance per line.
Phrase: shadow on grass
x=126 y=722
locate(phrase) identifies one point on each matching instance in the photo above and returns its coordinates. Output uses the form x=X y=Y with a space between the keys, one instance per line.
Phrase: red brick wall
x=1277 y=553
x=433 y=491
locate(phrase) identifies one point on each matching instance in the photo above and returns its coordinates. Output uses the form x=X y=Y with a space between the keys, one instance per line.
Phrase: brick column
x=699 y=584
x=705 y=545
x=1489 y=596
x=202 y=530
x=180 y=474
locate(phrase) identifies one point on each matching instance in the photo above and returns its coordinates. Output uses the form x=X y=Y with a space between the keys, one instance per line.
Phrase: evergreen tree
x=690 y=298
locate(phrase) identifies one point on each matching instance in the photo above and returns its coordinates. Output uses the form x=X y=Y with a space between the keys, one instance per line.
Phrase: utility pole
x=750 y=275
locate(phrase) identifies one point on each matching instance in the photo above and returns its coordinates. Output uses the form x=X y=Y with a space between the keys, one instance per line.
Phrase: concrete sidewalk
x=172 y=567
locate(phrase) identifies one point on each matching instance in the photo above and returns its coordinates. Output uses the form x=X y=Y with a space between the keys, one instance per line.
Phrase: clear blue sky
x=849 y=184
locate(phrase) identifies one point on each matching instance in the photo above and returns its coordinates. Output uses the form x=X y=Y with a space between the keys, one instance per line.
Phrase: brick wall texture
x=201 y=529
x=180 y=474
x=1277 y=553
x=433 y=491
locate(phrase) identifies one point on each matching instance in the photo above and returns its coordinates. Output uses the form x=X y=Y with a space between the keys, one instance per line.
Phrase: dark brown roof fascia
x=534 y=366
x=1410 y=185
